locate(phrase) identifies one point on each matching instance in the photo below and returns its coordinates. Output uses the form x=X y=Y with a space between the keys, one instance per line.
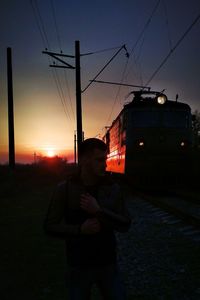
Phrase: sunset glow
x=45 y=105
x=50 y=152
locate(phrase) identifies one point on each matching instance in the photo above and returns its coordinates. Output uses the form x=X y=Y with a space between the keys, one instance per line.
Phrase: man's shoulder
x=68 y=181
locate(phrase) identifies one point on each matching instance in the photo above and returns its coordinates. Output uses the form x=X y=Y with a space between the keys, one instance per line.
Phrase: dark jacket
x=65 y=217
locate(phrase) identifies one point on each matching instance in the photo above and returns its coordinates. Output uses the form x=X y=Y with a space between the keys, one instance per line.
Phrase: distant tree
x=196 y=126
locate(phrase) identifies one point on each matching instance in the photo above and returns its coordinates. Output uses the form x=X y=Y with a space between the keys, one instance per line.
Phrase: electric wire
x=69 y=94
x=64 y=73
x=55 y=23
x=46 y=43
x=137 y=62
x=54 y=73
x=118 y=91
x=103 y=50
x=122 y=47
x=40 y=22
x=59 y=86
x=172 y=50
x=146 y=25
x=167 y=24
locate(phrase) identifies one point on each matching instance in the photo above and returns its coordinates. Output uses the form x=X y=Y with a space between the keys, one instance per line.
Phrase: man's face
x=95 y=162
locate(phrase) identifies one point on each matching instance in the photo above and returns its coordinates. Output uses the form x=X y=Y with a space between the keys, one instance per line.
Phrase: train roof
x=150 y=99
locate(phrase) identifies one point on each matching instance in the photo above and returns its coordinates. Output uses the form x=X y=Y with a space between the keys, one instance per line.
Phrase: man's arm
x=54 y=224
x=117 y=218
x=117 y=221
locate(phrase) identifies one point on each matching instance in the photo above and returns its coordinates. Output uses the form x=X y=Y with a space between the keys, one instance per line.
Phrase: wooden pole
x=10 y=110
x=78 y=99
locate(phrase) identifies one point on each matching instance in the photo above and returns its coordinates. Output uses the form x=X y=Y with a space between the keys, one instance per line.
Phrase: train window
x=145 y=118
x=176 y=119
x=158 y=118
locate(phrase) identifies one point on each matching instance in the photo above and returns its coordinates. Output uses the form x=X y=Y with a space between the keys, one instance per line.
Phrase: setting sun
x=50 y=152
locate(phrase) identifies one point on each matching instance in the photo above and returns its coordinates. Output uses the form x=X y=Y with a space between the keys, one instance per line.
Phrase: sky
x=45 y=97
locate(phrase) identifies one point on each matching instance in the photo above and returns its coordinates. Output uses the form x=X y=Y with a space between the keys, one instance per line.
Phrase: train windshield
x=155 y=118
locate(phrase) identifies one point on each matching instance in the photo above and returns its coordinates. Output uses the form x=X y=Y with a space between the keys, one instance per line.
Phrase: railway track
x=160 y=253
x=174 y=210
x=184 y=208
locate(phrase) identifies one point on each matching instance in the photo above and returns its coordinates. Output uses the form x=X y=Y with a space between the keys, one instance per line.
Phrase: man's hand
x=89 y=204
x=90 y=226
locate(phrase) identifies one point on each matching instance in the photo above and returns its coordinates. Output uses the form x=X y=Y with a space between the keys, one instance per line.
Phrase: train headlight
x=140 y=143
x=183 y=144
x=161 y=99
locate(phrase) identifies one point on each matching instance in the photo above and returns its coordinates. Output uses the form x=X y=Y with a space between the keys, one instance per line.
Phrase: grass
x=32 y=265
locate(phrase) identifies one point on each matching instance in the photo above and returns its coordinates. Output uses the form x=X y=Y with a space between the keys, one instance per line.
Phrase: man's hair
x=89 y=145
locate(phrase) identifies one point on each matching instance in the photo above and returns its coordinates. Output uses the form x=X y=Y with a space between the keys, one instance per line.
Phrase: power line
x=173 y=49
x=69 y=94
x=127 y=54
x=118 y=91
x=55 y=22
x=104 y=50
x=145 y=26
x=61 y=93
x=40 y=22
x=65 y=73
x=142 y=33
x=167 y=24
x=45 y=40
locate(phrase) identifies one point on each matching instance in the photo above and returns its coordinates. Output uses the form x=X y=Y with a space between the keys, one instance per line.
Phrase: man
x=92 y=208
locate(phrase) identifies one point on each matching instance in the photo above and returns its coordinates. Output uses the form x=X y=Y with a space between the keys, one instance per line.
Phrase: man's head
x=93 y=154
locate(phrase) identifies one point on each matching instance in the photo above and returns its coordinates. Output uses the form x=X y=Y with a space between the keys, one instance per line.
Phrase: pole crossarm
x=59 y=66
x=58 y=54
x=55 y=55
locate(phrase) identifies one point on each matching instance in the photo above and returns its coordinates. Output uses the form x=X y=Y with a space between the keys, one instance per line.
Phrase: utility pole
x=75 y=147
x=58 y=56
x=10 y=110
x=78 y=98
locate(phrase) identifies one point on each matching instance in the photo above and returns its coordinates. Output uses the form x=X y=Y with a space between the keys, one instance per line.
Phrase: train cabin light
x=141 y=143
x=183 y=144
x=161 y=99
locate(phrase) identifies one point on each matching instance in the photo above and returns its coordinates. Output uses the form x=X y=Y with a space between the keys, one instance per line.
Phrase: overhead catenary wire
x=167 y=24
x=61 y=93
x=173 y=49
x=64 y=73
x=118 y=91
x=103 y=50
x=145 y=26
x=69 y=94
x=55 y=23
x=38 y=21
x=41 y=27
x=111 y=59
x=141 y=35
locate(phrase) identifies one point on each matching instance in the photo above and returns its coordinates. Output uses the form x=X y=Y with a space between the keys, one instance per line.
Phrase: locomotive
x=150 y=138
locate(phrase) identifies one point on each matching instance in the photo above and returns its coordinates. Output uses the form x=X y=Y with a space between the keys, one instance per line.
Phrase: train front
x=151 y=138
x=158 y=137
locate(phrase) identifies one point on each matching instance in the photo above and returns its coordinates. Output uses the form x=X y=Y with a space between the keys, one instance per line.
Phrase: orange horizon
x=29 y=158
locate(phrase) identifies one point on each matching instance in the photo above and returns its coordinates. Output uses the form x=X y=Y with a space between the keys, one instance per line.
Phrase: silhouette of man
x=92 y=208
